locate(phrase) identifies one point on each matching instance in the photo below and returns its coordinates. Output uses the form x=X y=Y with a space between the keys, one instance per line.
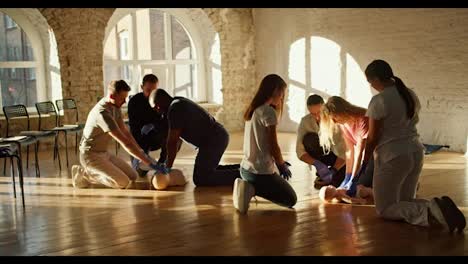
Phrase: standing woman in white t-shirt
x=261 y=150
x=394 y=142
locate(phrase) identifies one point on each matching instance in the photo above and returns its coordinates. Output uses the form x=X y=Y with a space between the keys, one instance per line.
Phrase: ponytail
x=405 y=94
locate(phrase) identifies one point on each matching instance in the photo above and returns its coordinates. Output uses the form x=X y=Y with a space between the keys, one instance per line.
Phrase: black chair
x=20 y=111
x=69 y=105
x=48 y=108
x=8 y=151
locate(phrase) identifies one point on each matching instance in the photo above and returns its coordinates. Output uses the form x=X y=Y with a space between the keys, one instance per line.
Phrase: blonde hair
x=335 y=106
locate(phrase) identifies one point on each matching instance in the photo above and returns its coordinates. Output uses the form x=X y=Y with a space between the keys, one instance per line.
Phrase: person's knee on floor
x=291 y=200
x=312 y=144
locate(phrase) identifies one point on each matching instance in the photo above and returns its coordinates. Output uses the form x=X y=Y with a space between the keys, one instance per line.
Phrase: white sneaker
x=242 y=194
x=78 y=180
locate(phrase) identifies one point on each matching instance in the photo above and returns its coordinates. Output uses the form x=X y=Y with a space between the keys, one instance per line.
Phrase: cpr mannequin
x=331 y=194
x=161 y=181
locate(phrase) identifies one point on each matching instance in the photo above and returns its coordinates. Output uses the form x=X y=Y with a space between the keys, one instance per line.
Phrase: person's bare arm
x=349 y=155
x=125 y=131
x=339 y=163
x=372 y=137
x=274 y=147
x=359 y=153
x=172 y=145
x=129 y=146
x=307 y=158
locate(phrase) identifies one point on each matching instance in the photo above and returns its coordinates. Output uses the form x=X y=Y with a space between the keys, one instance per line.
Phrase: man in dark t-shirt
x=147 y=127
x=189 y=121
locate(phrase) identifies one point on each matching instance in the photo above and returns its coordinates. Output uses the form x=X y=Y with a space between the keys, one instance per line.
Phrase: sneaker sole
x=460 y=217
x=74 y=173
x=235 y=193
x=242 y=207
x=436 y=211
x=448 y=214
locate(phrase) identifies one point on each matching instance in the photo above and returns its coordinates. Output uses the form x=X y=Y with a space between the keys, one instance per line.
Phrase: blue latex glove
x=147 y=128
x=323 y=171
x=284 y=170
x=160 y=167
x=346 y=183
x=135 y=163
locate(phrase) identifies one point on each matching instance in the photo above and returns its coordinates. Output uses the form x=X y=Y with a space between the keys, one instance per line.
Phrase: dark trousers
x=312 y=146
x=271 y=187
x=153 y=141
x=207 y=171
x=366 y=177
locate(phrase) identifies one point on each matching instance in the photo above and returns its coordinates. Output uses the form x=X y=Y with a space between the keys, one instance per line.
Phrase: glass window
x=162 y=45
x=17 y=84
x=181 y=44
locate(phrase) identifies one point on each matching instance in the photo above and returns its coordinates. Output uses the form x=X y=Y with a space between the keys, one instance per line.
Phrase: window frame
x=200 y=93
x=23 y=23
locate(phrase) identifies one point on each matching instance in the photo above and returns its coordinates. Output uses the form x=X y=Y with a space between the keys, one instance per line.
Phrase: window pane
x=157 y=35
x=124 y=45
x=18 y=86
x=185 y=81
x=124 y=72
x=161 y=71
x=14 y=44
x=181 y=44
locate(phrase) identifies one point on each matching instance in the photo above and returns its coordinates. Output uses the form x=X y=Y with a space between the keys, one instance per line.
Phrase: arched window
x=18 y=65
x=146 y=41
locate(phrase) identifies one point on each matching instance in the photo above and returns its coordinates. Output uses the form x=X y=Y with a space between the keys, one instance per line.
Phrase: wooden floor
x=59 y=220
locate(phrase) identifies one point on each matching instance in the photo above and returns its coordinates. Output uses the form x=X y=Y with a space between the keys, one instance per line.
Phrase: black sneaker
x=319 y=183
x=141 y=173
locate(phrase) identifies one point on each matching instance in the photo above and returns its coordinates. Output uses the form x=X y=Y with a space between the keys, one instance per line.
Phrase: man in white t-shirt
x=104 y=123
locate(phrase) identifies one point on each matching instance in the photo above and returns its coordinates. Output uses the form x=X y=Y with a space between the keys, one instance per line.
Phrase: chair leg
x=12 y=171
x=4 y=167
x=27 y=157
x=36 y=150
x=76 y=143
x=66 y=146
x=56 y=151
x=20 y=174
x=55 y=146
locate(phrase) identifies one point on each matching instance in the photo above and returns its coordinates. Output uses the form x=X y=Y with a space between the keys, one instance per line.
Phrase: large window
x=152 y=41
x=18 y=65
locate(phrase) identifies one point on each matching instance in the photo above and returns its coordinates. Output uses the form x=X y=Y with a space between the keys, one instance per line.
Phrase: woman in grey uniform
x=394 y=142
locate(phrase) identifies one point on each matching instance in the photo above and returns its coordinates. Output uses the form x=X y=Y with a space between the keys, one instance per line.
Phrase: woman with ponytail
x=394 y=145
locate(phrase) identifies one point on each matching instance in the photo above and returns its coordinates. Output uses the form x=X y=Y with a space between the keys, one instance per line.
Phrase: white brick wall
x=427 y=49
x=79 y=34
x=235 y=27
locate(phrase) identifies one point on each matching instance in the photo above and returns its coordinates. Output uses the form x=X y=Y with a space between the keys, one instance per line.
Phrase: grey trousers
x=394 y=189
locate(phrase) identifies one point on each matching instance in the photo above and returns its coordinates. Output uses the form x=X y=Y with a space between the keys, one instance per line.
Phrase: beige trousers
x=107 y=169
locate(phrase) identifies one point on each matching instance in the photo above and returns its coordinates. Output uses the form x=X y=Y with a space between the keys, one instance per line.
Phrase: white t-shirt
x=399 y=134
x=308 y=124
x=257 y=156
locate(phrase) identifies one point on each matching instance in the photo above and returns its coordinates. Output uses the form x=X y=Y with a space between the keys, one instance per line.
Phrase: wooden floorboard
x=60 y=220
